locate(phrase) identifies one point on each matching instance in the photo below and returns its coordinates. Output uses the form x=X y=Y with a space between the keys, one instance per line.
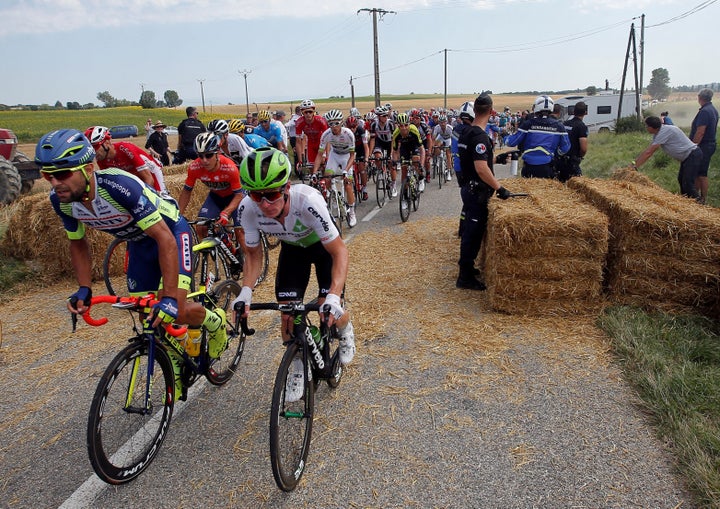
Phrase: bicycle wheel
x=214 y=266
x=380 y=190
x=272 y=241
x=336 y=212
x=124 y=433
x=290 y=425
x=266 y=256
x=405 y=199
x=415 y=193
x=223 y=368
x=115 y=263
x=442 y=163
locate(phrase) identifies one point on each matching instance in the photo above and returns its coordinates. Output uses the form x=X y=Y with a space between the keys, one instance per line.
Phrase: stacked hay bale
x=664 y=249
x=35 y=233
x=545 y=253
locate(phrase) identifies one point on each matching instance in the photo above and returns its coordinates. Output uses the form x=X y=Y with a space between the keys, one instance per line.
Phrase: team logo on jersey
x=480 y=148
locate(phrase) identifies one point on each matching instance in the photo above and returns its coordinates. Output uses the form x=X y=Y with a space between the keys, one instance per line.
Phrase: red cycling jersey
x=223 y=181
x=312 y=131
x=133 y=159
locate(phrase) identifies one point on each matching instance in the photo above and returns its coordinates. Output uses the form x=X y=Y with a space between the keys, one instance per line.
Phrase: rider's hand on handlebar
x=245 y=296
x=336 y=309
x=79 y=302
x=165 y=311
x=223 y=219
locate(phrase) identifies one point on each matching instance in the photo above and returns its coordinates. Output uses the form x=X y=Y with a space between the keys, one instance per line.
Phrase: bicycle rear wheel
x=415 y=193
x=115 y=263
x=405 y=200
x=336 y=210
x=290 y=425
x=442 y=164
x=381 y=189
x=224 y=367
x=124 y=434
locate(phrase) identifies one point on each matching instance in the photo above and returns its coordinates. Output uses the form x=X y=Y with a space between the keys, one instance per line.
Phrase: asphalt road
x=525 y=420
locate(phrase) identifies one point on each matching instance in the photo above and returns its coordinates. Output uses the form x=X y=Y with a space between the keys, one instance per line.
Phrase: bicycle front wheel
x=405 y=200
x=415 y=193
x=336 y=211
x=225 y=366
x=115 y=263
x=290 y=424
x=442 y=167
x=130 y=413
x=380 y=190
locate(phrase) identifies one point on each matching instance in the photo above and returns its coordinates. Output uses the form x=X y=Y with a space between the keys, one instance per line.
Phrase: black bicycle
x=291 y=419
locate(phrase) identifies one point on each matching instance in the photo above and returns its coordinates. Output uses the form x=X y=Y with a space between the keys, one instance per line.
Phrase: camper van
x=602 y=109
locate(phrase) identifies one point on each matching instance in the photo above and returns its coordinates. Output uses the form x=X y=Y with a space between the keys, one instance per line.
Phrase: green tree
x=658 y=87
x=108 y=100
x=147 y=99
x=172 y=99
x=73 y=105
x=591 y=90
x=58 y=105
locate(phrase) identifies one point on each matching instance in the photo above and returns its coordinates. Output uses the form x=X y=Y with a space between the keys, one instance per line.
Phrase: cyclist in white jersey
x=299 y=217
x=442 y=136
x=340 y=157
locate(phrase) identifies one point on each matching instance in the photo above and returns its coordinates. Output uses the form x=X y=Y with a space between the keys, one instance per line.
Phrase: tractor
x=17 y=172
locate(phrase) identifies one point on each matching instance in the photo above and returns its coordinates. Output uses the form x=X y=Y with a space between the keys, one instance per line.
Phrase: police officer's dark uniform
x=188 y=130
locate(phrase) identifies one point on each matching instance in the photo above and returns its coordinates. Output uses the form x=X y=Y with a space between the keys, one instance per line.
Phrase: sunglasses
x=333 y=124
x=207 y=155
x=403 y=125
x=61 y=174
x=268 y=196
x=308 y=112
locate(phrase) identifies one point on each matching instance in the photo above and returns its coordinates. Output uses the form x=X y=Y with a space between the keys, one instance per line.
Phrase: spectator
x=703 y=133
x=271 y=132
x=292 y=134
x=279 y=121
x=157 y=143
x=678 y=146
x=568 y=165
x=665 y=117
x=187 y=132
x=148 y=128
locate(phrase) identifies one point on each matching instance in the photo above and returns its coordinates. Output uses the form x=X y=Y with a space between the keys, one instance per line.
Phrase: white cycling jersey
x=342 y=143
x=443 y=135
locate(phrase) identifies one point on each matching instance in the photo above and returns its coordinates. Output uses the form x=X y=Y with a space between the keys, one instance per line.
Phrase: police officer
x=188 y=130
x=479 y=183
x=539 y=138
x=568 y=165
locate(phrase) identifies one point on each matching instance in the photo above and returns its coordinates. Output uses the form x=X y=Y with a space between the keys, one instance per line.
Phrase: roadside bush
x=629 y=125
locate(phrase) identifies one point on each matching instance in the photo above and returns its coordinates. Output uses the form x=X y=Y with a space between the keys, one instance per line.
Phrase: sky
x=289 y=50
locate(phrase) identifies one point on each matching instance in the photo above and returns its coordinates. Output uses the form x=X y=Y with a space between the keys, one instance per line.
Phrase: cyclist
x=299 y=217
x=159 y=240
x=425 y=134
x=126 y=156
x=381 y=133
x=220 y=175
x=442 y=136
x=339 y=143
x=272 y=133
x=407 y=146
x=309 y=129
x=230 y=143
x=361 y=149
x=239 y=127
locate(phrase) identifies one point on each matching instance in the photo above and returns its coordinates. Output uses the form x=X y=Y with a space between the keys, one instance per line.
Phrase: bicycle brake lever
x=73 y=320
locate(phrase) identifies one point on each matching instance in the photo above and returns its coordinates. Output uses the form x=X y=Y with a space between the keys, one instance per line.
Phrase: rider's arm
x=146 y=176
x=82 y=265
x=167 y=257
x=318 y=159
x=233 y=205
x=184 y=199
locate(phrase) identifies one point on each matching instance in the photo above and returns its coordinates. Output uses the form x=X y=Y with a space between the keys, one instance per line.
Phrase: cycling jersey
x=255 y=141
x=408 y=143
x=444 y=135
x=382 y=132
x=133 y=159
x=307 y=222
x=361 y=138
x=341 y=143
x=236 y=145
x=224 y=181
x=313 y=132
x=273 y=133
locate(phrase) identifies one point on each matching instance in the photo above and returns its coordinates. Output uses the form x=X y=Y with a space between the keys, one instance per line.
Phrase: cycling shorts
x=293 y=271
x=143 y=272
x=382 y=146
x=215 y=204
x=336 y=164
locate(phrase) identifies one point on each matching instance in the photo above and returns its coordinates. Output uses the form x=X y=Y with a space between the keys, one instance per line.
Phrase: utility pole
x=142 y=88
x=247 y=100
x=642 y=51
x=202 y=93
x=631 y=44
x=375 y=11
x=352 y=93
x=445 y=100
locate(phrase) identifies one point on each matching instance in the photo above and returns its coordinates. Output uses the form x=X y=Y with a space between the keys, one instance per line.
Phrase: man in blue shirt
x=272 y=133
x=704 y=133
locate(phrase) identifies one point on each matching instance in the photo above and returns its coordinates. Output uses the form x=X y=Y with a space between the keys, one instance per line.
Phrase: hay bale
x=664 y=249
x=545 y=253
x=630 y=174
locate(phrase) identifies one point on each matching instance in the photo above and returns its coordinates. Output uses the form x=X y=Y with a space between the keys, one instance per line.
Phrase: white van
x=602 y=109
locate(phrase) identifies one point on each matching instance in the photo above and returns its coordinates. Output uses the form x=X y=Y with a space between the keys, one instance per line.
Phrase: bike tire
x=380 y=190
x=441 y=171
x=415 y=194
x=115 y=261
x=405 y=200
x=336 y=210
x=290 y=425
x=123 y=440
x=224 y=367
x=265 y=242
x=215 y=265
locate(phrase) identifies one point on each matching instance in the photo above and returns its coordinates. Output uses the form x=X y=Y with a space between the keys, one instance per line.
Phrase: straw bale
x=630 y=174
x=545 y=253
x=646 y=291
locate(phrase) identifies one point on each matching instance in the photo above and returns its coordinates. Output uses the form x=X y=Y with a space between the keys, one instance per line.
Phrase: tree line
x=147 y=101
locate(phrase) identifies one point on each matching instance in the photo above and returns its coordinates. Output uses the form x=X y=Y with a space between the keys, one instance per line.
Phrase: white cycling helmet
x=218 y=126
x=381 y=110
x=543 y=103
x=207 y=143
x=467 y=111
x=354 y=112
x=334 y=116
x=307 y=104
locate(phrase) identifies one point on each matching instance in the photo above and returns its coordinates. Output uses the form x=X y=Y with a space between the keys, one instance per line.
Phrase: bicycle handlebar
x=290 y=307
x=144 y=304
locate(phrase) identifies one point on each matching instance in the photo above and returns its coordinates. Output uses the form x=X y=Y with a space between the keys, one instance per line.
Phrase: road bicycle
x=410 y=190
x=439 y=165
x=291 y=422
x=334 y=195
x=357 y=180
x=222 y=253
x=383 y=182
x=133 y=404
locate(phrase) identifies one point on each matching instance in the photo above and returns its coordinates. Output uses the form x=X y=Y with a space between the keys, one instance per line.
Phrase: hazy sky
x=69 y=50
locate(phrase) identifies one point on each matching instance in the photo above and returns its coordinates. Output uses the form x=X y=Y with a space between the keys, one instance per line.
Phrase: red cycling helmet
x=351 y=122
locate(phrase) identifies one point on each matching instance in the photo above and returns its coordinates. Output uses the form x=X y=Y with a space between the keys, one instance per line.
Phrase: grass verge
x=674 y=363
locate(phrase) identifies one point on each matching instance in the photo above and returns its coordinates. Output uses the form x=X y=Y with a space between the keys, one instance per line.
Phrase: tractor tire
x=10 y=183
x=27 y=185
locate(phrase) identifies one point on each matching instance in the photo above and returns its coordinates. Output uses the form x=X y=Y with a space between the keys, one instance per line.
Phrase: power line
x=685 y=14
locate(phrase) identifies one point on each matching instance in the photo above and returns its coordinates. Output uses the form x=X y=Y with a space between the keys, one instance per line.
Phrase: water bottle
x=192 y=342
x=315 y=332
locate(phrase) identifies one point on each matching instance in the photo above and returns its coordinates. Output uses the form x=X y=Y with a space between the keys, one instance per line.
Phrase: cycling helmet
x=381 y=110
x=415 y=112
x=263 y=116
x=402 y=118
x=264 y=168
x=334 y=116
x=64 y=148
x=97 y=135
x=236 y=126
x=543 y=103
x=388 y=106
x=467 y=111
x=442 y=118
x=354 y=112
x=351 y=122
x=307 y=104
x=207 y=143
x=218 y=127
x=370 y=116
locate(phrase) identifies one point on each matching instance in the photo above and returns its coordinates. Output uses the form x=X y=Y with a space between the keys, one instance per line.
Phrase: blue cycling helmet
x=64 y=148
